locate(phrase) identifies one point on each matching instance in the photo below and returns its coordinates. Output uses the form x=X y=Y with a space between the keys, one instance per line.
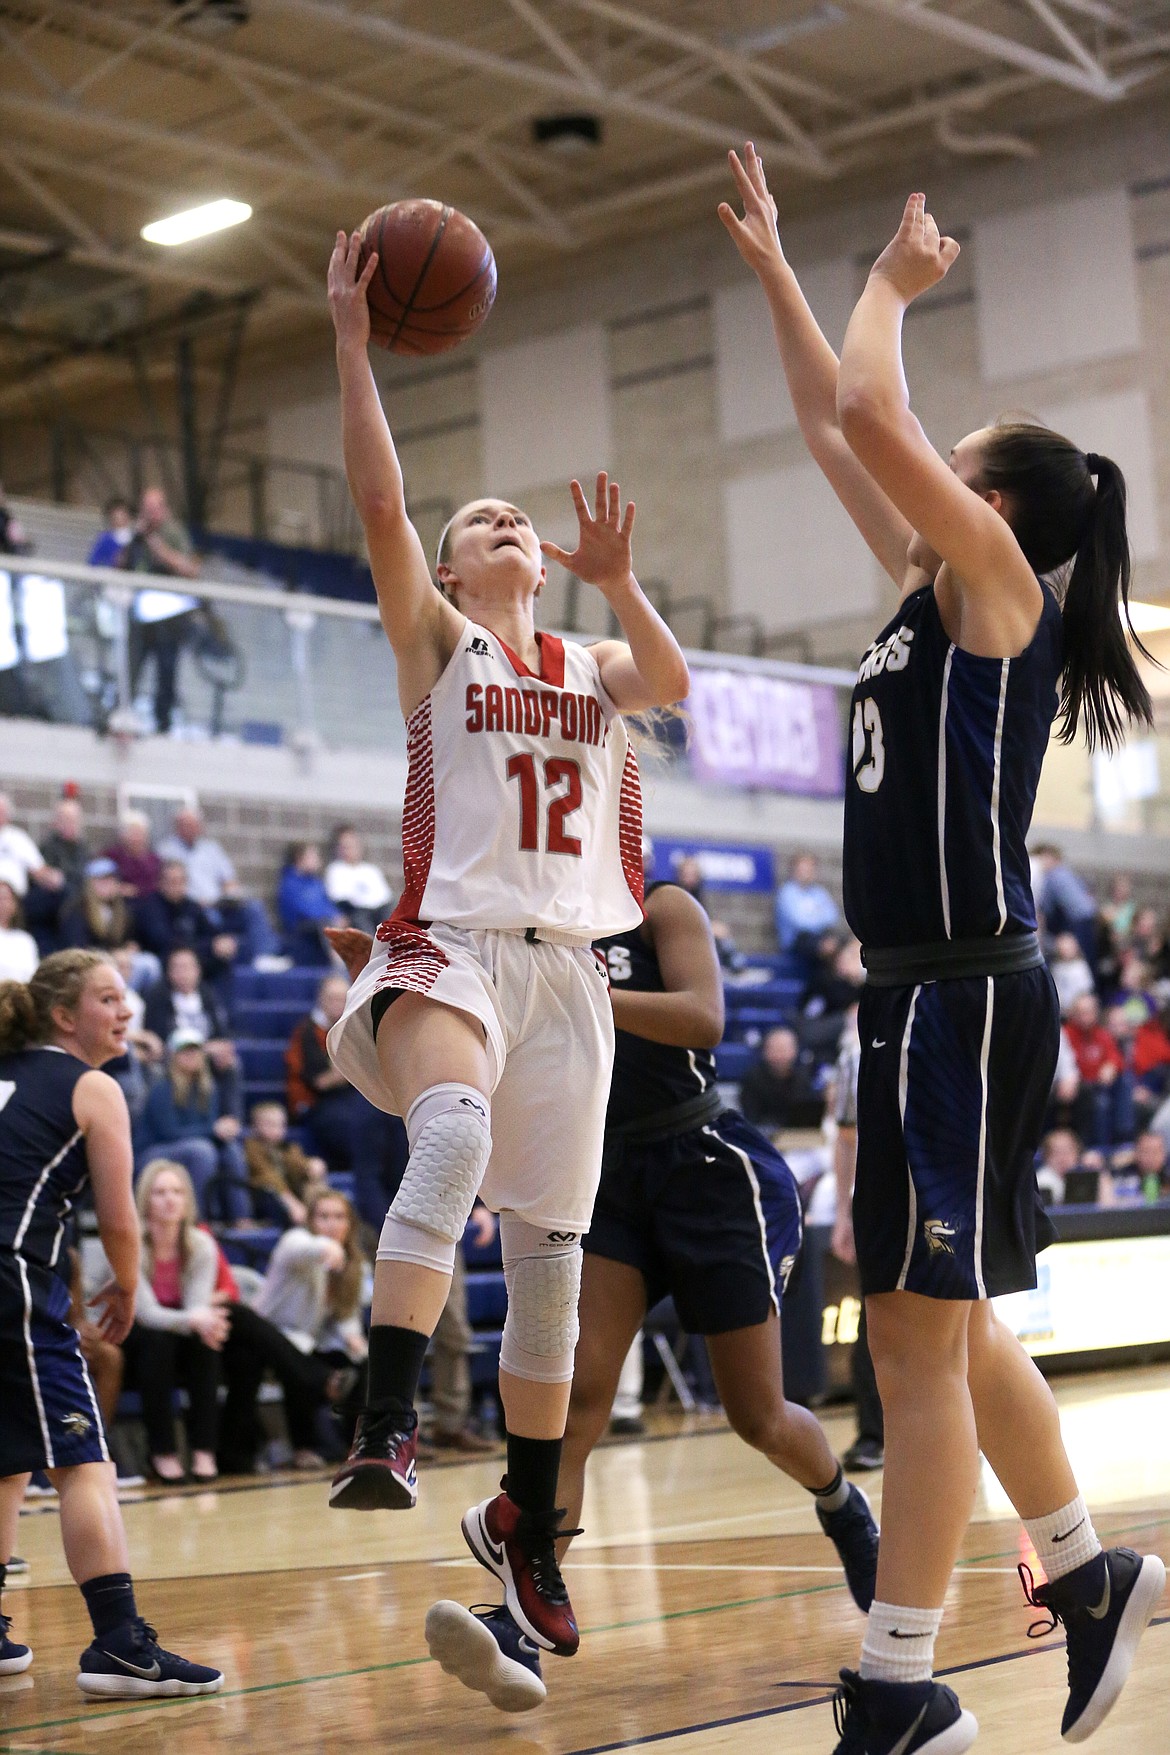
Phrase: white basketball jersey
x=523 y=806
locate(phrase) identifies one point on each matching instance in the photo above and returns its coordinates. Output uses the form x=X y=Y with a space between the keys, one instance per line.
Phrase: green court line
x=411 y=1663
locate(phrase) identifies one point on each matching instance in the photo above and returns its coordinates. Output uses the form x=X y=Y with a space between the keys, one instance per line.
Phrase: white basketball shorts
x=548 y=1024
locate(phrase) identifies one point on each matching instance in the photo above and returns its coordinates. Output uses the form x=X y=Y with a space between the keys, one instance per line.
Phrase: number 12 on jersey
x=558 y=771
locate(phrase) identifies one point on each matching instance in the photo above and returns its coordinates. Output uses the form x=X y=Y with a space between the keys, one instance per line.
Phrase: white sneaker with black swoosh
x=129 y=1664
x=1105 y=1606
x=485 y=1649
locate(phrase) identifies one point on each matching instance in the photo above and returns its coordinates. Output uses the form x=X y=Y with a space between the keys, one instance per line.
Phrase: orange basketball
x=436 y=276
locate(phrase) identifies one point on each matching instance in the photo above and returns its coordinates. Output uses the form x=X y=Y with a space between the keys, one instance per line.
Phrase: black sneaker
x=1105 y=1606
x=381 y=1471
x=486 y=1650
x=854 y=1534
x=129 y=1664
x=13 y=1657
x=900 y=1718
x=863 y=1455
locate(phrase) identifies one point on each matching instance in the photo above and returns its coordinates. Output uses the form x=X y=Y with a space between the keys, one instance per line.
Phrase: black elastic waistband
x=952 y=959
x=663 y=1124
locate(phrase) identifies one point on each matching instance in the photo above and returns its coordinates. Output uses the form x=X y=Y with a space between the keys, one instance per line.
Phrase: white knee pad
x=449 y=1130
x=542 y=1271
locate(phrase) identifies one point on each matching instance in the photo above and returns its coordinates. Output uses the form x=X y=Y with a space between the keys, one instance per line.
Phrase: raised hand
x=755 y=235
x=347 y=290
x=602 y=556
x=917 y=257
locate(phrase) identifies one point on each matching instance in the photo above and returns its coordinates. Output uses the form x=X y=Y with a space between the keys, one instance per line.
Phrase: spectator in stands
x=138 y=865
x=805 y=910
x=181 y=1323
x=1150 y=1156
x=777 y=1092
x=1120 y=909
x=1148 y=939
x=1070 y=972
x=110 y=545
x=277 y=1165
x=98 y=917
x=161 y=620
x=319 y=1098
x=1104 y=1075
x=22 y=859
x=184 y=1115
x=313 y=1292
x=834 y=987
x=64 y=848
x=170 y=918
x=1061 y=1158
x=212 y=882
x=1150 y=1062
x=303 y=905
x=354 y=883
x=19 y=955
x=1069 y=1106
x=1135 y=989
x=1065 y=902
x=183 y=1000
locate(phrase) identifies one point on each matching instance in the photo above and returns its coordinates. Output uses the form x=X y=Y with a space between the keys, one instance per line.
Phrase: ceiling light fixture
x=197 y=222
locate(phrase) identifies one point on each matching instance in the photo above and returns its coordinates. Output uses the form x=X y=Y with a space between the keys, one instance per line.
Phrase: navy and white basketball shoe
x=520 y=1550
x=129 y=1664
x=381 y=1471
x=485 y=1649
x=900 y=1718
x=854 y=1534
x=13 y=1657
x=1105 y=1606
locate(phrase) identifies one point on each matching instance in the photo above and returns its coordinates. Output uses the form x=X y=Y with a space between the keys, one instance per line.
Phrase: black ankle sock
x=396 y=1356
x=533 y=1466
x=110 y=1601
x=833 y=1487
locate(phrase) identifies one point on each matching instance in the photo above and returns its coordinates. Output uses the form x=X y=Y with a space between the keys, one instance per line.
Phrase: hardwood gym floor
x=712 y=1611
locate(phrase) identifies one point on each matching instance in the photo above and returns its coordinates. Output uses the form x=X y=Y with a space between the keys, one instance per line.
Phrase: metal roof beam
x=1049 y=68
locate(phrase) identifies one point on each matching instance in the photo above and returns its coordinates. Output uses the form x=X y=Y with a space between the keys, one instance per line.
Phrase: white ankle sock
x=835 y=1495
x=899 y=1643
x=1065 y=1539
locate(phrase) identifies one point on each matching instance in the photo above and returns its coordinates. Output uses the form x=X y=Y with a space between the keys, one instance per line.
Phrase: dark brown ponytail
x=1058 y=515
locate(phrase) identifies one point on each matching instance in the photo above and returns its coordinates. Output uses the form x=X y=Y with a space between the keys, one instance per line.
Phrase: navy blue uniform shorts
x=50 y=1415
x=711 y=1217
x=954 y=1082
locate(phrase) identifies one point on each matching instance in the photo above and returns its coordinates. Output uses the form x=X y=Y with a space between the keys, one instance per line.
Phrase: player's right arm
x=420 y=624
x=99 y=1109
x=810 y=367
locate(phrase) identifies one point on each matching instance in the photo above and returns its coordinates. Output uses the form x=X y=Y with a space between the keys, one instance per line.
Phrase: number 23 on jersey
x=869 y=749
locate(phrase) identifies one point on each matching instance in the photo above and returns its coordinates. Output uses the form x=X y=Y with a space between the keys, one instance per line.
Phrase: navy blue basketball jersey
x=648 y=1077
x=946 y=757
x=42 y=1151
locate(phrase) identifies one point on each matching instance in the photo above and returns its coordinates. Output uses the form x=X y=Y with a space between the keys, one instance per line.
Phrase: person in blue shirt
x=109 y=548
x=303 y=905
x=805 y=910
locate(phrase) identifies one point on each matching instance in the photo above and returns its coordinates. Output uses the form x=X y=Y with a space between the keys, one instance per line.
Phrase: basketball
x=436 y=276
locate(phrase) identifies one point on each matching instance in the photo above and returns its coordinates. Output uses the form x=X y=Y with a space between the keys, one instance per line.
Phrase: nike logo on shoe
x=1102 y=1609
x=497 y=1554
x=903 y=1743
x=1068 y=1533
x=527 y=1647
x=151 y=1675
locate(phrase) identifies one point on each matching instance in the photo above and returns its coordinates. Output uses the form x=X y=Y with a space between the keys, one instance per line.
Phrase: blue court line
x=743 y=1718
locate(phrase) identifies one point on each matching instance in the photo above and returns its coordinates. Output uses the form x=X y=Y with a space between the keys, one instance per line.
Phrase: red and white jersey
x=523 y=806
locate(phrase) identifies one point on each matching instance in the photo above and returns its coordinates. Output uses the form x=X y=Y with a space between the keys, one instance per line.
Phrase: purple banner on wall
x=754 y=730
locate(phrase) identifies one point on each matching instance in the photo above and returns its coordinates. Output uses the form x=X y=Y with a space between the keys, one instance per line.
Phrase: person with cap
x=97 y=917
x=185 y=1117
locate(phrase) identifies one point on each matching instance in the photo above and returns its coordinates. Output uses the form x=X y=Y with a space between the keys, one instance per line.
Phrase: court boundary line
x=741 y=1718
x=136 y=1710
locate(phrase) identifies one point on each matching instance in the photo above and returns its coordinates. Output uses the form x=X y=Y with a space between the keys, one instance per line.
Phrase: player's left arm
x=648 y=668
x=689 y=1014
